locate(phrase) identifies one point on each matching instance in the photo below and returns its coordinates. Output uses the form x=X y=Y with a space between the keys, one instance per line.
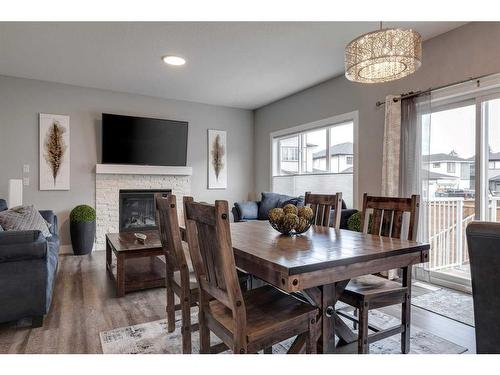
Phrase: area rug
x=451 y=304
x=153 y=338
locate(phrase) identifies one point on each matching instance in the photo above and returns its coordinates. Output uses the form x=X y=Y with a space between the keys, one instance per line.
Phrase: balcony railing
x=446 y=220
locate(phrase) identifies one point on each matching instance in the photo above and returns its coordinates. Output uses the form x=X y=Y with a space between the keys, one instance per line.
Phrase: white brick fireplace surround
x=110 y=179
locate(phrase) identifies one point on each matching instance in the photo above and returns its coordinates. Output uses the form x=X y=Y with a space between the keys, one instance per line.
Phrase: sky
x=454 y=129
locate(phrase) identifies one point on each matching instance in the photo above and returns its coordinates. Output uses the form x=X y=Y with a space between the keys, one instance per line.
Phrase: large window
x=319 y=159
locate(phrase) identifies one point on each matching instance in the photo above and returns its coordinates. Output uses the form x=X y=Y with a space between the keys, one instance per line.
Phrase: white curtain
x=392 y=142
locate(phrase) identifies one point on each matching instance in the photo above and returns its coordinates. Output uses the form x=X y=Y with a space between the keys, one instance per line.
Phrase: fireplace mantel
x=143 y=170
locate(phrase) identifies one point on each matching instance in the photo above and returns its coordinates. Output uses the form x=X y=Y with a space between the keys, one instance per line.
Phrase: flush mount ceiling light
x=383 y=55
x=173 y=60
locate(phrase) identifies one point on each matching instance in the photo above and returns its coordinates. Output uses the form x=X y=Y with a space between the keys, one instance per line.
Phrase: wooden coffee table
x=137 y=265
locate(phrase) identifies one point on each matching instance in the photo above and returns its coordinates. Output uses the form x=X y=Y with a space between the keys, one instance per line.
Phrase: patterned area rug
x=451 y=304
x=153 y=338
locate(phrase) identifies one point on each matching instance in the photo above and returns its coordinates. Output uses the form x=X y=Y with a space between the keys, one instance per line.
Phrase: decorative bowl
x=291 y=220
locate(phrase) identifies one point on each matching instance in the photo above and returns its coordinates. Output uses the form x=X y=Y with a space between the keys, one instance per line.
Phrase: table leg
x=109 y=258
x=328 y=322
x=120 y=276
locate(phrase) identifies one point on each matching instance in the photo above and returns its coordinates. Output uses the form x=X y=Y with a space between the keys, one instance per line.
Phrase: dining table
x=318 y=264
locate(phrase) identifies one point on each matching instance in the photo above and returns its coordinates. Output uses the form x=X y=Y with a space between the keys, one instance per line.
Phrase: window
x=320 y=159
x=436 y=165
x=289 y=153
x=491 y=165
x=451 y=168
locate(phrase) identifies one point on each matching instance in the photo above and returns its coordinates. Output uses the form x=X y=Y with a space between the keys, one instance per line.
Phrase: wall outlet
x=26 y=168
x=26 y=181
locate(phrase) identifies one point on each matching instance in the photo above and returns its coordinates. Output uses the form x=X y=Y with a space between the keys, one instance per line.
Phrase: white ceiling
x=236 y=64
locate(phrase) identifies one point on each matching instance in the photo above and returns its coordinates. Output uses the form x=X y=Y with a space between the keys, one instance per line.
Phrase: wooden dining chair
x=245 y=321
x=372 y=292
x=322 y=206
x=180 y=276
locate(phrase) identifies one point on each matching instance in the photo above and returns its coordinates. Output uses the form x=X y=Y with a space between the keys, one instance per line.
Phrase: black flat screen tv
x=143 y=141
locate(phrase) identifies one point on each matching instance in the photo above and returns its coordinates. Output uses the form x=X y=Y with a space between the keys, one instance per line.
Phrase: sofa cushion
x=273 y=200
x=247 y=210
x=297 y=201
x=3 y=205
x=24 y=218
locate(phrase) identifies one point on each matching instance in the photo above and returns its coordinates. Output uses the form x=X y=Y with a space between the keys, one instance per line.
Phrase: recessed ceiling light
x=173 y=60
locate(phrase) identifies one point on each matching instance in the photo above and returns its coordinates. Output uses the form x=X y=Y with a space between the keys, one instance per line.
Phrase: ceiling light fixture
x=383 y=55
x=173 y=60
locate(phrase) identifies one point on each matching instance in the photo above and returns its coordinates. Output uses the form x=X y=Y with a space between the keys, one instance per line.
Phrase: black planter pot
x=82 y=236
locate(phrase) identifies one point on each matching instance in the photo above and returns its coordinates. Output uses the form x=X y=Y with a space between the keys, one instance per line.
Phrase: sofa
x=258 y=210
x=28 y=267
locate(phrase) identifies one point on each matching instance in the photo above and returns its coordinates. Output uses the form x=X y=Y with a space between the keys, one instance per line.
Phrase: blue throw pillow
x=298 y=201
x=273 y=200
x=247 y=210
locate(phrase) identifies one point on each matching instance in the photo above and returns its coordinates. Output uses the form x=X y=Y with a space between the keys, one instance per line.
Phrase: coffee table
x=137 y=265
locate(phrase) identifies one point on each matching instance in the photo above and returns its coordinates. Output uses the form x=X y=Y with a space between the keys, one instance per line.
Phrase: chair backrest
x=387 y=217
x=483 y=242
x=170 y=235
x=322 y=205
x=209 y=239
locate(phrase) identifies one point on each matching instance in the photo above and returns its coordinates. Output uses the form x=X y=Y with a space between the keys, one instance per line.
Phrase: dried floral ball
x=302 y=224
x=290 y=209
x=290 y=221
x=305 y=212
x=276 y=215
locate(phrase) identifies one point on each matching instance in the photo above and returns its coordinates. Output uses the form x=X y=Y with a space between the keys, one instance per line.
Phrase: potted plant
x=82 y=229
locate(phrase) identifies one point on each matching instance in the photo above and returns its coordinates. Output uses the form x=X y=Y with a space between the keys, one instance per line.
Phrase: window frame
x=327 y=123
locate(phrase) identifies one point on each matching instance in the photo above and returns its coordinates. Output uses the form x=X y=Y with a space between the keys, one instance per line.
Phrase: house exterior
x=494 y=173
x=341 y=158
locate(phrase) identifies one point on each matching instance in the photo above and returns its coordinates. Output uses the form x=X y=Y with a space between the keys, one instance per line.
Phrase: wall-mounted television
x=143 y=141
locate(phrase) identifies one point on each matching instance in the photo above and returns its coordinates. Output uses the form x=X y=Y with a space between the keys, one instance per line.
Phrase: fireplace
x=137 y=209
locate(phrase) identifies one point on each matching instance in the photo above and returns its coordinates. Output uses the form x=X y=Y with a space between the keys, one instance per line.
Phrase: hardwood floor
x=84 y=304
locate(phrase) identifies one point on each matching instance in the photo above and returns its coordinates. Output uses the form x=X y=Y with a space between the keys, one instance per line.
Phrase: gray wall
x=21 y=100
x=468 y=51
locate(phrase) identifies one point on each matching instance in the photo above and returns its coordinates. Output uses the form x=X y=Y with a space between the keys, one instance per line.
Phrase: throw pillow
x=24 y=218
x=1 y=229
x=298 y=201
x=247 y=210
x=268 y=201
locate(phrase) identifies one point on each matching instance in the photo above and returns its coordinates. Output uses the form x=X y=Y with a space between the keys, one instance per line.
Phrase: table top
x=317 y=249
x=126 y=241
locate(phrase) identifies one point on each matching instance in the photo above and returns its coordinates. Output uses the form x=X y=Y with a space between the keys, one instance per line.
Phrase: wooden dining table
x=318 y=265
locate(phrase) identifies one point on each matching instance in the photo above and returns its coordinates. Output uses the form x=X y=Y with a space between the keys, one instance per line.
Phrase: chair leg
x=406 y=312
x=186 y=324
x=204 y=333
x=363 y=329
x=268 y=350
x=170 y=302
x=311 y=342
x=354 y=323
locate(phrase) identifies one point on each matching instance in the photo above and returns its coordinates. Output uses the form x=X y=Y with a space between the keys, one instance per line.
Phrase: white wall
x=468 y=51
x=21 y=100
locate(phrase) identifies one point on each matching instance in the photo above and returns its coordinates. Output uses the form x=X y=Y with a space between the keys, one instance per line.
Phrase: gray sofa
x=28 y=266
x=257 y=210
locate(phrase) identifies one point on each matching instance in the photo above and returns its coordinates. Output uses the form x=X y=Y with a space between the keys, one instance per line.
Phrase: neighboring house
x=448 y=171
x=341 y=158
x=494 y=173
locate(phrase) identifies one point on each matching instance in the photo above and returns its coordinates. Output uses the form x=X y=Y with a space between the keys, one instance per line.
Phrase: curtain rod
x=417 y=93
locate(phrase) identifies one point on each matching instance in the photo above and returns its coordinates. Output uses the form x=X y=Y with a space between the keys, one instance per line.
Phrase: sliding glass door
x=461 y=169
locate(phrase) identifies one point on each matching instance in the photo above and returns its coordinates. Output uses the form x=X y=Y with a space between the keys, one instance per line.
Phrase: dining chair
x=180 y=277
x=483 y=243
x=322 y=206
x=246 y=322
x=372 y=292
